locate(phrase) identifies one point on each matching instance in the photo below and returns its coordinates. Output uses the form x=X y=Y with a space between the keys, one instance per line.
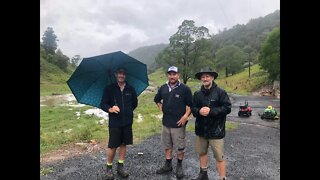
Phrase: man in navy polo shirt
x=174 y=99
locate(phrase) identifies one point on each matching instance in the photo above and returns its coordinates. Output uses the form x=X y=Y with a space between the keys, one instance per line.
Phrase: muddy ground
x=252 y=152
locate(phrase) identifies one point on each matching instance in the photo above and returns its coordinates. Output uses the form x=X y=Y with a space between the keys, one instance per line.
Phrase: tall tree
x=251 y=56
x=269 y=55
x=49 y=41
x=231 y=58
x=75 y=60
x=188 y=48
x=61 y=60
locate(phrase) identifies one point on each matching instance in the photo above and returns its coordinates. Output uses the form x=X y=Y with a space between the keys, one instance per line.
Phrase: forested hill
x=54 y=67
x=248 y=37
x=147 y=55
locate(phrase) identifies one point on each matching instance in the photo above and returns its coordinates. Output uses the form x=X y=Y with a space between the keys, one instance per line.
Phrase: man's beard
x=208 y=84
x=173 y=81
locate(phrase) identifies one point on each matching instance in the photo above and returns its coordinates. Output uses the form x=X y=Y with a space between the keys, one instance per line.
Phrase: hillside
x=248 y=37
x=147 y=55
x=52 y=77
x=239 y=83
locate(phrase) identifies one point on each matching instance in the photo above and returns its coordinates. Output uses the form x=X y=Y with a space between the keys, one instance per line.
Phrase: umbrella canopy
x=91 y=76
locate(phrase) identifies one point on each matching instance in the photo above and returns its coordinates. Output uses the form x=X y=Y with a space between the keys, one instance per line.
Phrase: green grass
x=157 y=78
x=241 y=83
x=47 y=89
x=56 y=121
x=149 y=112
x=53 y=80
x=45 y=171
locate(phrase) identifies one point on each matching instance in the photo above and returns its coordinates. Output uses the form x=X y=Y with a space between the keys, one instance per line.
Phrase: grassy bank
x=53 y=80
x=241 y=83
x=60 y=125
x=47 y=89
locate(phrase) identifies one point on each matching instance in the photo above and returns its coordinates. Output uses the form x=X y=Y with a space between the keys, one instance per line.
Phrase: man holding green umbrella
x=112 y=83
x=119 y=100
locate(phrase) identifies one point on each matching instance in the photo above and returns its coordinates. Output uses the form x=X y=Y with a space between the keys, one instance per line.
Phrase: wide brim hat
x=206 y=70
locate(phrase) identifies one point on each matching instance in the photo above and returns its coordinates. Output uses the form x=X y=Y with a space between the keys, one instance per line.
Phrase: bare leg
x=169 y=153
x=180 y=155
x=221 y=168
x=110 y=154
x=122 y=152
x=204 y=161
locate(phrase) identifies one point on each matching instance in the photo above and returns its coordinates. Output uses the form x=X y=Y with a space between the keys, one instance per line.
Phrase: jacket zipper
x=122 y=105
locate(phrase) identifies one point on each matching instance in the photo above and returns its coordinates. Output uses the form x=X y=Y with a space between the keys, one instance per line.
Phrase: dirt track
x=252 y=152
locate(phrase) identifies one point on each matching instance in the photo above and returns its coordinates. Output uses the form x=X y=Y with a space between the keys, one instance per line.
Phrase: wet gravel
x=252 y=152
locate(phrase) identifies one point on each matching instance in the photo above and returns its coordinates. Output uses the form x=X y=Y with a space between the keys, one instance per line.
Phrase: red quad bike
x=245 y=111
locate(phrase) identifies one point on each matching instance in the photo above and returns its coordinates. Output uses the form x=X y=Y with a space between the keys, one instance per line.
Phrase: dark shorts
x=119 y=136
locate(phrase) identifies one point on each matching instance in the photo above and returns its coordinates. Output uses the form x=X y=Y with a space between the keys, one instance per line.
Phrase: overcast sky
x=93 y=27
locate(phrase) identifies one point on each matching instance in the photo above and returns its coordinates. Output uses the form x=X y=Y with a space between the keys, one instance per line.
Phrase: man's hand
x=182 y=121
x=159 y=106
x=114 y=109
x=204 y=111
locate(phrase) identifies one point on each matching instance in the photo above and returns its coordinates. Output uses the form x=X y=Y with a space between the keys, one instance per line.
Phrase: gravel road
x=252 y=152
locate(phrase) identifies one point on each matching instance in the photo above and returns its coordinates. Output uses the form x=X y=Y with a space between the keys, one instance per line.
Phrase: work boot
x=166 y=168
x=179 y=171
x=203 y=175
x=109 y=175
x=121 y=172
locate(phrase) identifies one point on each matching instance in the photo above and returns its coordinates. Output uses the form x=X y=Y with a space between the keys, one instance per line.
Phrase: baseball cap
x=173 y=69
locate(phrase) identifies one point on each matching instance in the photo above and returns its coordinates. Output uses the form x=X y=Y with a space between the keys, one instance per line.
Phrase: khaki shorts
x=202 y=145
x=174 y=137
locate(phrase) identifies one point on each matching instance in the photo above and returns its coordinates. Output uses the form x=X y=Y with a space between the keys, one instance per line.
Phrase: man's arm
x=134 y=99
x=184 y=118
x=159 y=106
x=225 y=107
x=195 y=109
x=104 y=104
x=157 y=99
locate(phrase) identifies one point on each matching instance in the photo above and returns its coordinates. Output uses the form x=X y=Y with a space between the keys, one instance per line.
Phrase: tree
x=61 y=60
x=251 y=56
x=49 y=41
x=75 y=60
x=231 y=58
x=269 y=55
x=188 y=49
